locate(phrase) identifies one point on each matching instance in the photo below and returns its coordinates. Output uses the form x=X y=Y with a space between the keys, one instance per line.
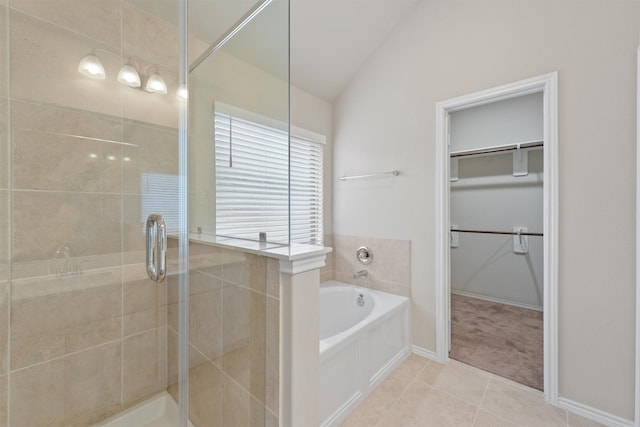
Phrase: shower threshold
x=159 y=411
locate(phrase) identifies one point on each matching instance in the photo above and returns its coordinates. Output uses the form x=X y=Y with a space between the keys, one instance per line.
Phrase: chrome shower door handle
x=156 y=248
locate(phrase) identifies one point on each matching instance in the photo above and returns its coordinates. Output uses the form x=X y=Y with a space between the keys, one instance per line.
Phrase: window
x=252 y=181
x=160 y=195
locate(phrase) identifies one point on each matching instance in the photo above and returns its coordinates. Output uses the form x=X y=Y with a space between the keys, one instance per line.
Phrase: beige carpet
x=498 y=338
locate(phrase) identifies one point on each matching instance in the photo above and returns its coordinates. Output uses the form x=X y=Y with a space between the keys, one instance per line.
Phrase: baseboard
x=593 y=414
x=424 y=352
x=498 y=300
x=577 y=408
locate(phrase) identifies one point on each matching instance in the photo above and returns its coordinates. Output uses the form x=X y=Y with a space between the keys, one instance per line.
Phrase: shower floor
x=159 y=411
x=498 y=338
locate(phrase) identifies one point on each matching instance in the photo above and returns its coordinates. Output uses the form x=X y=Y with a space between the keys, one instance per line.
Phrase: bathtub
x=360 y=344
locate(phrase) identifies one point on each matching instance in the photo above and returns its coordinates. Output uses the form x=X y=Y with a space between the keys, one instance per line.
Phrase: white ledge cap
x=294 y=258
x=297 y=258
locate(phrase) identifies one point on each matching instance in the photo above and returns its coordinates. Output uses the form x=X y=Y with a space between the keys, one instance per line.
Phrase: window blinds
x=252 y=182
x=160 y=196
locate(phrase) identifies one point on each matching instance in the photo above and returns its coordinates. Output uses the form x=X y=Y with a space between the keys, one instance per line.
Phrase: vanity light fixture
x=156 y=84
x=129 y=76
x=91 y=66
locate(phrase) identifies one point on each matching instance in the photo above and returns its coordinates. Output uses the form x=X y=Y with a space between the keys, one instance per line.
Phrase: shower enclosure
x=103 y=123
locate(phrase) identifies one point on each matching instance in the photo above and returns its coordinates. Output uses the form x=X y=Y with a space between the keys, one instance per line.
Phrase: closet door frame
x=548 y=85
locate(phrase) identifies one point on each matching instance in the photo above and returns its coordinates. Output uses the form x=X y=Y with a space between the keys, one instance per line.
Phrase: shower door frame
x=548 y=85
x=183 y=237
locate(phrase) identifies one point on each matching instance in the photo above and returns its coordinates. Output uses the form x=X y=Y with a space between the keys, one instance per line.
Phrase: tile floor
x=424 y=393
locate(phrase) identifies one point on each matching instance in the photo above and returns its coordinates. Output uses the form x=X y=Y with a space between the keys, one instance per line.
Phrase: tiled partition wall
x=234 y=309
x=390 y=270
x=4 y=213
x=82 y=330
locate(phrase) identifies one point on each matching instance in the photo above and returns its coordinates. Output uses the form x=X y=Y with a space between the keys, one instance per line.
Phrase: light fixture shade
x=182 y=94
x=129 y=76
x=91 y=66
x=156 y=84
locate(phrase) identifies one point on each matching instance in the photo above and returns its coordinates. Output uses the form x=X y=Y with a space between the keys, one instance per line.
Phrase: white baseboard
x=577 y=408
x=424 y=352
x=593 y=414
x=498 y=300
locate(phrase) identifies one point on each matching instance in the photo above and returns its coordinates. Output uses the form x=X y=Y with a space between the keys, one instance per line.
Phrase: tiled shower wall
x=76 y=348
x=390 y=270
x=234 y=308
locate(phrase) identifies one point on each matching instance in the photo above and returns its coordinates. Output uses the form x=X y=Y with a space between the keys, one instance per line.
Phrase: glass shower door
x=239 y=198
x=91 y=144
x=88 y=150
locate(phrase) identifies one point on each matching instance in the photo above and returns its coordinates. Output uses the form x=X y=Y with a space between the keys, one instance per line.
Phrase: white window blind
x=160 y=196
x=252 y=180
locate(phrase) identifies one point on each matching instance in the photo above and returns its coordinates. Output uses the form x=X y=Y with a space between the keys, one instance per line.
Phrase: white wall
x=487 y=196
x=385 y=120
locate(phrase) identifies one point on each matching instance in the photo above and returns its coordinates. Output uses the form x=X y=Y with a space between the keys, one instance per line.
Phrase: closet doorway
x=495 y=211
x=496 y=269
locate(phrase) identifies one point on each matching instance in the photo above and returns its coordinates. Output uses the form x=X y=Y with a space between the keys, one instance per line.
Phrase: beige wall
x=384 y=120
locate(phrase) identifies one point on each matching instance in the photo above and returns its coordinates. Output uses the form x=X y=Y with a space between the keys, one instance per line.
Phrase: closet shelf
x=511 y=233
x=496 y=149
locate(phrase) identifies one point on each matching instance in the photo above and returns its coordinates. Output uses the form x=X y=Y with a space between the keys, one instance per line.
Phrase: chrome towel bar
x=344 y=178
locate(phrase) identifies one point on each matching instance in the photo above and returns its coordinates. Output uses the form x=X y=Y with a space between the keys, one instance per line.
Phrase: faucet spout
x=361 y=273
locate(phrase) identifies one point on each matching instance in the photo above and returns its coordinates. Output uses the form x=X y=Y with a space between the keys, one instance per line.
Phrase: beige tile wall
x=4 y=109
x=4 y=326
x=4 y=60
x=390 y=270
x=4 y=214
x=233 y=335
x=86 y=345
x=328 y=272
x=83 y=346
x=51 y=149
x=3 y=400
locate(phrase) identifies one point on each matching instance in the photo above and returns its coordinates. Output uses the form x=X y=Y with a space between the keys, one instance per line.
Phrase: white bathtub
x=359 y=345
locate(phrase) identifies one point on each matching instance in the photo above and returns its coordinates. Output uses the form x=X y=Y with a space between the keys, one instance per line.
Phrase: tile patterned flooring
x=424 y=393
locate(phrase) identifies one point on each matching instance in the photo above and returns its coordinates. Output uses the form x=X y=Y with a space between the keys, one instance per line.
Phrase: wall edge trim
x=593 y=413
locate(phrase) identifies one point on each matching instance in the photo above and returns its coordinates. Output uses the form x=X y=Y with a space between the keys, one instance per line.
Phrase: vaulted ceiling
x=329 y=39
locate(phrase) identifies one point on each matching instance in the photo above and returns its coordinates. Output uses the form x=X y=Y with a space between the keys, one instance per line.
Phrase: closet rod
x=497 y=149
x=512 y=233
